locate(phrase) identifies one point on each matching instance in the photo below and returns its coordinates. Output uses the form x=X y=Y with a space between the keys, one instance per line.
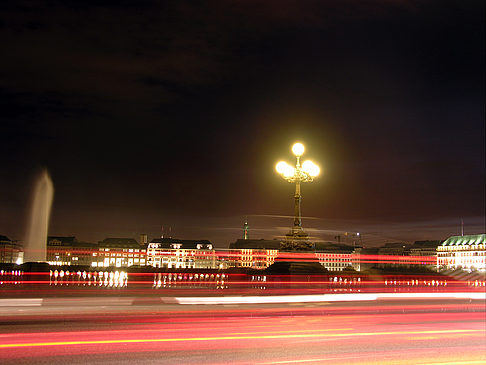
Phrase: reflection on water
x=84 y=278
x=115 y=279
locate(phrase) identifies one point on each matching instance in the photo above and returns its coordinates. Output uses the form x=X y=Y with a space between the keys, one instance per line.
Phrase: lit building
x=115 y=252
x=10 y=252
x=255 y=254
x=67 y=251
x=119 y=252
x=392 y=255
x=426 y=250
x=174 y=253
x=395 y=249
x=337 y=257
x=463 y=252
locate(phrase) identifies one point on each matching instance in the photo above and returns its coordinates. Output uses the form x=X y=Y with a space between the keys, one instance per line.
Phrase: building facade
x=114 y=252
x=119 y=252
x=427 y=252
x=337 y=256
x=253 y=253
x=463 y=252
x=174 y=253
x=68 y=251
x=10 y=252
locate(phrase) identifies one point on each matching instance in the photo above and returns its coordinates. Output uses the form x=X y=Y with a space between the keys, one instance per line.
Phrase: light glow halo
x=298 y=149
x=281 y=167
x=311 y=168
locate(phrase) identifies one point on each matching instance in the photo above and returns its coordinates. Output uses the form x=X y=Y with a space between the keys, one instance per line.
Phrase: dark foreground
x=392 y=331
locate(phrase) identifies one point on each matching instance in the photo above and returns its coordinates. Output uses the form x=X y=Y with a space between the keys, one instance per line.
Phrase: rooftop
x=4 y=238
x=166 y=242
x=119 y=243
x=61 y=240
x=332 y=247
x=426 y=244
x=255 y=244
x=468 y=240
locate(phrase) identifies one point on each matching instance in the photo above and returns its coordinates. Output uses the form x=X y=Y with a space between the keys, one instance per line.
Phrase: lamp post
x=298 y=174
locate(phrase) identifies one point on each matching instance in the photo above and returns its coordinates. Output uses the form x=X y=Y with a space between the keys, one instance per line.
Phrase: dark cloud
x=151 y=112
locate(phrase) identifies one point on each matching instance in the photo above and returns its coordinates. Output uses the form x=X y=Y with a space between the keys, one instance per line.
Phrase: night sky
x=174 y=114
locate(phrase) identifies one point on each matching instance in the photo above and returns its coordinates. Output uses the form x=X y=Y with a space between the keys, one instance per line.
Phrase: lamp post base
x=297 y=232
x=297 y=240
x=297 y=235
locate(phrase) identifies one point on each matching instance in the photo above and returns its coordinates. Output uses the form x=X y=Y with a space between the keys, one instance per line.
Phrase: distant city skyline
x=372 y=234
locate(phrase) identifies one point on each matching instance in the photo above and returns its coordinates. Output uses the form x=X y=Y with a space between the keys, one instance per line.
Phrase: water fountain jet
x=36 y=242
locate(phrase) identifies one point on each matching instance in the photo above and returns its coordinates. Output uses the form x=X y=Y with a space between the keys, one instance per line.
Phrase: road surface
x=400 y=331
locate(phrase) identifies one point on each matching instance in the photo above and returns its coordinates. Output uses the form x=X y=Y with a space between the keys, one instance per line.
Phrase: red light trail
x=262 y=340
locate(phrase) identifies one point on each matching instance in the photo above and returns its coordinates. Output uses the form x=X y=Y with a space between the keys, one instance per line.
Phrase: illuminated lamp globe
x=289 y=171
x=311 y=168
x=281 y=167
x=298 y=149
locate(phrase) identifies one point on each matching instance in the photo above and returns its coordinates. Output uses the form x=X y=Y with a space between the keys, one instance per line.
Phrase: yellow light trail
x=295 y=331
x=462 y=362
x=427 y=338
x=365 y=361
x=222 y=338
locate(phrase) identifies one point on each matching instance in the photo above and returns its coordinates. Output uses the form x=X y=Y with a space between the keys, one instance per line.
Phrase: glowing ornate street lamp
x=298 y=174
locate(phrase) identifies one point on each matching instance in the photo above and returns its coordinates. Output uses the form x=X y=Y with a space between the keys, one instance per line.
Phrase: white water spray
x=36 y=241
